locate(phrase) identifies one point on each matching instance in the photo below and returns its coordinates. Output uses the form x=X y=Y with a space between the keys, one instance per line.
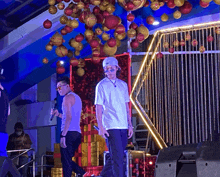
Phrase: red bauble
x=105 y=14
x=129 y=6
x=94 y=43
x=150 y=20
x=66 y=0
x=171 y=4
x=171 y=50
x=159 y=55
x=120 y=29
x=95 y=53
x=194 y=42
x=60 y=70
x=99 y=18
x=111 y=42
x=182 y=42
x=83 y=16
x=130 y=17
x=79 y=37
x=140 y=37
x=47 y=24
x=186 y=8
x=203 y=4
x=74 y=62
x=134 y=43
x=102 y=53
x=68 y=11
x=146 y=4
x=210 y=38
x=96 y=10
x=111 y=21
x=63 y=31
x=68 y=29
x=59 y=1
x=95 y=60
x=133 y=26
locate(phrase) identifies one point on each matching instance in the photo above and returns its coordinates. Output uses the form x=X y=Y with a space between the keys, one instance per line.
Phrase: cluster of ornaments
x=182 y=42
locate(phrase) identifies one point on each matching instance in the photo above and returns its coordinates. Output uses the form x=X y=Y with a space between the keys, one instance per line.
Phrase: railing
x=42 y=164
x=23 y=152
x=177 y=94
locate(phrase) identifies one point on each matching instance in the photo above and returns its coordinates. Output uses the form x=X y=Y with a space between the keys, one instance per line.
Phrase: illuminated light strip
x=141 y=69
x=179 y=52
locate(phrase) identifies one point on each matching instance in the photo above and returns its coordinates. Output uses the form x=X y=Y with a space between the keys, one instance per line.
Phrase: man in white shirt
x=113 y=116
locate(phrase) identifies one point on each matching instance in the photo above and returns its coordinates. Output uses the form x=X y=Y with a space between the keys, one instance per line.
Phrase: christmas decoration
x=177 y=14
x=202 y=49
x=186 y=8
x=159 y=55
x=179 y=3
x=134 y=43
x=47 y=24
x=52 y=10
x=150 y=20
x=45 y=60
x=60 y=70
x=164 y=17
x=130 y=17
x=171 y=50
x=57 y=39
x=210 y=38
x=73 y=62
x=203 y=4
x=61 y=51
x=51 y=2
x=80 y=72
x=49 y=47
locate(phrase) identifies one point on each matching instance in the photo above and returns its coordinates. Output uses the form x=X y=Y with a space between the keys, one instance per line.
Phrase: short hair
x=19 y=125
x=64 y=79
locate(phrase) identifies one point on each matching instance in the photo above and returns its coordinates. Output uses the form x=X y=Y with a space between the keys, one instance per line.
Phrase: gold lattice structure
x=177 y=94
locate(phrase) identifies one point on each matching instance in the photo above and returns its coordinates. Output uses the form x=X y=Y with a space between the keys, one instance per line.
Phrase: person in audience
x=70 y=137
x=113 y=116
x=17 y=141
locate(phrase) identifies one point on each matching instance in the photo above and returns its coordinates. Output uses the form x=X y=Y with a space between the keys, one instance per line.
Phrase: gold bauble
x=80 y=72
x=105 y=3
x=79 y=47
x=166 y=44
x=51 y=2
x=143 y=30
x=137 y=2
x=73 y=23
x=109 y=50
x=121 y=1
x=216 y=1
x=45 y=60
x=118 y=43
x=155 y=5
x=179 y=3
x=96 y=2
x=63 y=19
x=119 y=36
x=81 y=63
x=105 y=28
x=161 y=4
x=98 y=31
x=88 y=34
x=73 y=43
x=90 y=20
x=61 y=51
x=102 y=7
x=105 y=36
x=70 y=54
x=77 y=53
x=119 y=19
x=176 y=43
x=110 y=8
x=52 y=10
x=61 y=6
x=177 y=14
x=208 y=1
x=80 y=5
x=164 y=17
x=57 y=39
x=202 y=49
x=131 y=33
x=49 y=47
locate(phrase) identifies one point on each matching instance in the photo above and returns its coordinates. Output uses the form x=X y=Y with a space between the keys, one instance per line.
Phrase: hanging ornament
x=203 y=4
x=210 y=38
x=96 y=10
x=70 y=54
x=80 y=5
x=80 y=72
x=88 y=34
x=130 y=17
x=45 y=60
x=49 y=47
x=90 y=20
x=140 y=37
x=111 y=42
x=73 y=43
x=95 y=60
x=179 y=3
x=176 y=43
x=51 y=2
x=161 y=3
x=177 y=14
x=83 y=15
x=61 y=51
x=52 y=9
x=81 y=63
x=164 y=17
x=96 y=2
x=134 y=44
x=133 y=25
x=105 y=28
x=186 y=8
x=131 y=33
x=63 y=19
x=98 y=31
x=194 y=42
x=100 y=18
x=120 y=29
x=47 y=24
x=171 y=4
x=155 y=5
x=187 y=37
x=171 y=49
x=217 y=30
x=79 y=47
x=202 y=49
x=217 y=2
x=79 y=37
x=61 y=6
x=129 y=6
x=182 y=42
x=143 y=30
x=94 y=43
x=77 y=53
x=110 y=8
x=120 y=36
x=109 y=50
x=60 y=70
x=73 y=62
x=105 y=36
x=73 y=23
x=159 y=55
x=118 y=43
x=166 y=44
x=111 y=21
x=150 y=20
x=68 y=29
x=63 y=32
x=57 y=39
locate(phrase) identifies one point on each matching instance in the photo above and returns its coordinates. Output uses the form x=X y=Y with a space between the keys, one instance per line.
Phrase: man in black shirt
x=6 y=165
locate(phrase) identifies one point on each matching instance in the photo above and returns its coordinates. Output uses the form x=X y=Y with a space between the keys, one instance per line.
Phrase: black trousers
x=73 y=140
x=116 y=143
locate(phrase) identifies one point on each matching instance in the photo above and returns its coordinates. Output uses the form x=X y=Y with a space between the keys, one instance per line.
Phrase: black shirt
x=4 y=106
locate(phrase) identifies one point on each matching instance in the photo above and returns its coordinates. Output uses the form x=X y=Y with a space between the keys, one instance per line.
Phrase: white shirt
x=113 y=100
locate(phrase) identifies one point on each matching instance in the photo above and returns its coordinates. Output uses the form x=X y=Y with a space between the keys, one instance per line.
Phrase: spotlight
x=151 y=163
x=62 y=62
x=156 y=23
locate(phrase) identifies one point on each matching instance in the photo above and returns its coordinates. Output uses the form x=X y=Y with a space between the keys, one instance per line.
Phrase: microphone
x=55 y=106
x=97 y=128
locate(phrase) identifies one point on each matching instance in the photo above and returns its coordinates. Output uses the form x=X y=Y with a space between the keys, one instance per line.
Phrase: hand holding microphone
x=53 y=112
